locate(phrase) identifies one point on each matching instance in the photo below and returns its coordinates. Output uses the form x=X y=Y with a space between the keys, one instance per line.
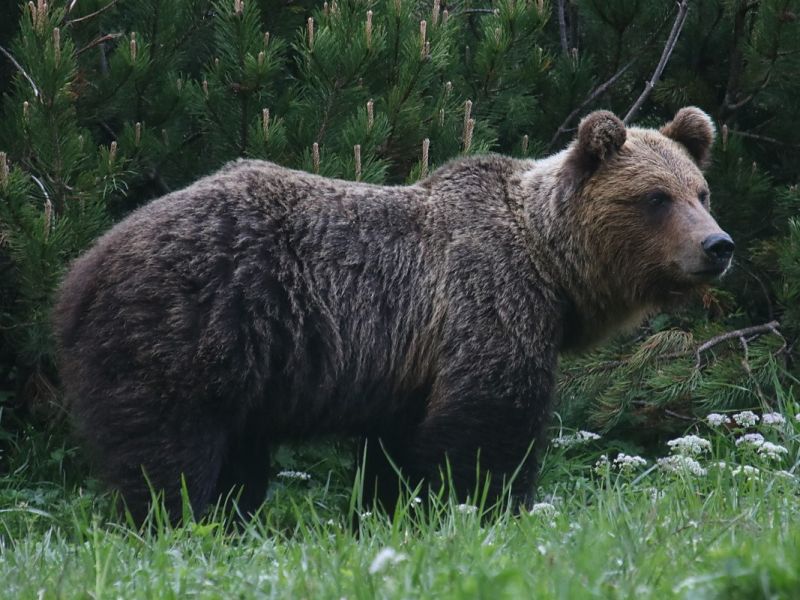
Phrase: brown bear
x=263 y=305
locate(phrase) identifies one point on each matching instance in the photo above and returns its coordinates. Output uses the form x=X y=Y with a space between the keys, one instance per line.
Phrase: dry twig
x=562 y=27
x=21 y=70
x=563 y=128
x=90 y=15
x=762 y=138
x=741 y=334
x=672 y=40
x=98 y=41
x=601 y=89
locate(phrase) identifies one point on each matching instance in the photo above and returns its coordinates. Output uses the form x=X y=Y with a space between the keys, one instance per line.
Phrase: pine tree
x=108 y=105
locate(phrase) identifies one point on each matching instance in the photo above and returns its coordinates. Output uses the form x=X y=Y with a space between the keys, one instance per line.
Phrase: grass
x=603 y=532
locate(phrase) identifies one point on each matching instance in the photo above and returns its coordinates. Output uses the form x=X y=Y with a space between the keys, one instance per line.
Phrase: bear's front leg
x=479 y=450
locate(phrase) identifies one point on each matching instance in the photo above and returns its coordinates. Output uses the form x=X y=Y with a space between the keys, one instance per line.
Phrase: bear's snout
x=719 y=248
x=717 y=252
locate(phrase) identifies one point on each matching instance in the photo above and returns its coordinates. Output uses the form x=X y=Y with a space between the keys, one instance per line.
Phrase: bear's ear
x=693 y=129
x=600 y=135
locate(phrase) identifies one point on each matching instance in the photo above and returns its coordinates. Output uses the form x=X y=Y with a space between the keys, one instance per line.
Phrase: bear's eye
x=657 y=199
x=703 y=197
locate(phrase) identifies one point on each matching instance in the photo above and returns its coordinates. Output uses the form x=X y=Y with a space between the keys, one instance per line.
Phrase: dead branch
x=762 y=138
x=562 y=27
x=21 y=70
x=740 y=334
x=672 y=413
x=672 y=40
x=736 y=58
x=100 y=40
x=476 y=11
x=601 y=89
x=90 y=15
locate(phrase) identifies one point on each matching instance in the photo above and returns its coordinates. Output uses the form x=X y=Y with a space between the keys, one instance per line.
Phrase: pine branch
x=672 y=40
x=746 y=333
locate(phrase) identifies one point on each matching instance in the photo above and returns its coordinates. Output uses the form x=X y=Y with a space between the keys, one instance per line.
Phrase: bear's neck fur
x=594 y=302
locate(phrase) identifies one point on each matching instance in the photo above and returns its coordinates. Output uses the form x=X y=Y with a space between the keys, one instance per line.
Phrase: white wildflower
x=366 y=515
x=416 y=500
x=747 y=470
x=544 y=509
x=681 y=463
x=542 y=549
x=750 y=439
x=716 y=419
x=689 y=445
x=627 y=463
x=602 y=464
x=772 y=451
x=575 y=439
x=784 y=474
x=797 y=417
x=746 y=418
x=386 y=557
x=720 y=464
x=299 y=475
x=467 y=509
x=774 y=419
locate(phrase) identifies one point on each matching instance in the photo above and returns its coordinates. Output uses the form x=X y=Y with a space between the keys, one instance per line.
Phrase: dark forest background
x=107 y=104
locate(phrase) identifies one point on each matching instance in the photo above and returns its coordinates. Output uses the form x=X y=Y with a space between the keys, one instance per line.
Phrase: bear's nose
x=719 y=246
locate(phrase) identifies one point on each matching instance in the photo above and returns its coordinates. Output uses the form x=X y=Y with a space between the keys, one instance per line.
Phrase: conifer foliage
x=108 y=104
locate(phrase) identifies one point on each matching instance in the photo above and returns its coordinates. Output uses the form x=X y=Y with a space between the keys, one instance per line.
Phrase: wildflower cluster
x=680 y=463
x=689 y=445
x=544 y=509
x=752 y=446
x=575 y=439
x=773 y=418
x=756 y=441
x=717 y=420
x=297 y=475
x=385 y=558
x=602 y=465
x=749 y=471
x=626 y=463
x=467 y=509
x=746 y=418
x=685 y=451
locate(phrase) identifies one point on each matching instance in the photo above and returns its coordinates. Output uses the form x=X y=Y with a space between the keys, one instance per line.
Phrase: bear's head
x=641 y=207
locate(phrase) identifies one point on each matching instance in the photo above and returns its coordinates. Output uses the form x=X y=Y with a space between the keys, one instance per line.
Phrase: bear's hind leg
x=244 y=476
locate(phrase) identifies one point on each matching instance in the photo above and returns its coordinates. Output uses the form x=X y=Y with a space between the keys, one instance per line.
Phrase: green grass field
x=603 y=528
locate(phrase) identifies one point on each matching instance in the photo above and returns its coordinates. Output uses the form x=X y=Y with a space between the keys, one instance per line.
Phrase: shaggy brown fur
x=262 y=305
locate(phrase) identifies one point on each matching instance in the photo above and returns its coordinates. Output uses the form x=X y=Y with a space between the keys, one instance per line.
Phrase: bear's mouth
x=713 y=272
